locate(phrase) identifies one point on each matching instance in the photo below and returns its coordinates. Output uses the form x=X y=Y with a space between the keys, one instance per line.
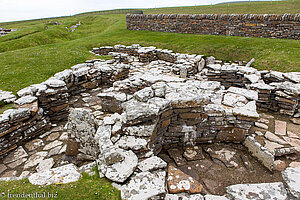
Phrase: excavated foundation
x=161 y=125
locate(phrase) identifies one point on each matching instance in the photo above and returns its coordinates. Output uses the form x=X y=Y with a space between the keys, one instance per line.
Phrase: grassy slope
x=22 y=66
x=88 y=187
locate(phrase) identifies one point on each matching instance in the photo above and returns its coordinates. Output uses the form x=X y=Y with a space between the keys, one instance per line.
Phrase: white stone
x=215 y=197
x=292 y=178
x=144 y=185
x=131 y=142
x=15 y=155
x=184 y=196
x=249 y=94
x=34 y=144
x=261 y=191
x=52 y=145
x=120 y=171
x=152 y=163
x=60 y=175
x=35 y=159
x=233 y=100
x=55 y=83
x=45 y=165
x=25 y=100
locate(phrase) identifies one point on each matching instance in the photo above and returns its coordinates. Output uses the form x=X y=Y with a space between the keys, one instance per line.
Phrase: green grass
x=88 y=187
x=35 y=57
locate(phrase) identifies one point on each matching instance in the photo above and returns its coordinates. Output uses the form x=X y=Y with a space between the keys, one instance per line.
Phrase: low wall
x=285 y=26
x=41 y=105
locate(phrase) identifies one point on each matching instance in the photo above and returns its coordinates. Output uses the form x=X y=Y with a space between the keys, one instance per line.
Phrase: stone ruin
x=4 y=31
x=152 y=120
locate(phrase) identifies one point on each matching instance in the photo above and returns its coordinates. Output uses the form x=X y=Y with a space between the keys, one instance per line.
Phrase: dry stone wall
x=191 y=117
x=286 y=26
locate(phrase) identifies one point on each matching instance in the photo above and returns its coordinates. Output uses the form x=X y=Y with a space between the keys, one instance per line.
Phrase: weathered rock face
x=64 y=174
x=82 y=128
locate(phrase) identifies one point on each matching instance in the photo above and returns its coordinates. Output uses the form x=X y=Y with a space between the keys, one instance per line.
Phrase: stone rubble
x=123 y=112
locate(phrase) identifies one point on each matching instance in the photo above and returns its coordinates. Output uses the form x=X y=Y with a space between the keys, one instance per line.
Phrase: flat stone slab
x=15 y=155
x=176 y=155
x=280 y=127
x=34 y=144
x=261 y=191
x=180 y=182
x=292 y=178
x=2 y=168
x=60 y=175
x=144 y=186
x=52 y=145
x=152 y=163
x=35 y=159
x=227 y=156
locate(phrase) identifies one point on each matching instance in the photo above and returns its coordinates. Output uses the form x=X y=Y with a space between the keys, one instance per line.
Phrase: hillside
x=38 y=50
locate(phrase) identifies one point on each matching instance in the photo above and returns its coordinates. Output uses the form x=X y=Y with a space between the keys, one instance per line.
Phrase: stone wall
x=285 y=26
x=47 y=103
x=191 y=117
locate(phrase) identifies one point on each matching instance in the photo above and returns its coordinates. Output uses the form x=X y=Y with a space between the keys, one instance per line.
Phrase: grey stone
x=274 y=138
x=262 y=191
x=184 y=196
x=63 y=174
x=227 y=156
x=143 y=130
x=144 y=185
x=7 y=97
x=152 y=163
x=131 y=142
x=2 y=168
x=81 y=126
x=45 y=165
x=35 y=159
x=261 y=153
x=15 y=155
x=249 y=94
x=17 y=163
x=25 y=100
x=20 y=113
x=52 y=145
x=34 y=144
x=113 y=156
x=292 y=178
x=55 y=83
x=215 y=197
x=144 y=95
x=54 y=151
x=120 y=171
x=233 y=100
